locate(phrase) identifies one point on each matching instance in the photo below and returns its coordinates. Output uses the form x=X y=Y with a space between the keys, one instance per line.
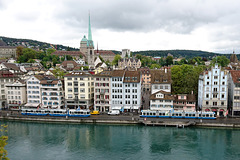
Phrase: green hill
x=180 y=53
x=34 y=44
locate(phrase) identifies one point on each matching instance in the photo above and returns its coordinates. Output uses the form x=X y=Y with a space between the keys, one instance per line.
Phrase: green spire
x=89 y=30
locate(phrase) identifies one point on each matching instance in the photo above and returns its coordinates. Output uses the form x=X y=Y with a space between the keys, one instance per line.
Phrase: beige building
x=129 y=63
x=16 y=94
x=8 y=51
x=6 y=77
x=102 y=91
x=79 y=90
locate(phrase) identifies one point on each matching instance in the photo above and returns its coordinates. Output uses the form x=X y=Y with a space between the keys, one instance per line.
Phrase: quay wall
x=134 y=121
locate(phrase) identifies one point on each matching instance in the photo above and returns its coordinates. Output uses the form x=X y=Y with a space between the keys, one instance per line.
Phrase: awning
x=32 y=105
x=207 y=109
x=221 y=109
x=214 y=110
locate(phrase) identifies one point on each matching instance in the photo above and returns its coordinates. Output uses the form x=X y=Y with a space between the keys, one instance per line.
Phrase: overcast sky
x=209 y=25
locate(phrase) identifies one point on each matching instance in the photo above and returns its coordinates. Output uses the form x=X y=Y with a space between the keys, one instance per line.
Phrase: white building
x=213 y=91
x=161 y=98
x=16 y=94
x=52 y=93
x=34 y=91
x=126 y=90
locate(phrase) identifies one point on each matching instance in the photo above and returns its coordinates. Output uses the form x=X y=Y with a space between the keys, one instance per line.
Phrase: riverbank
x=125 y=119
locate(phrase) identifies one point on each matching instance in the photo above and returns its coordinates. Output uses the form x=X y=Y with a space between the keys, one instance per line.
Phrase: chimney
x=192 y=92
x=165 y=70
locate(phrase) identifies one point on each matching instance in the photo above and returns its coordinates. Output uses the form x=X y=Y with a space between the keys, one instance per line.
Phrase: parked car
x=94 y=113
x=114 y=112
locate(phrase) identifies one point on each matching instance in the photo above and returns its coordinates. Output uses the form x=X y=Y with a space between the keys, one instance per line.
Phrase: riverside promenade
x=124 y=119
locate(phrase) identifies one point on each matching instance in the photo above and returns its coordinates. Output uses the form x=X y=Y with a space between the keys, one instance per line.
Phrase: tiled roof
x=235 y=76
x=159 y=76
x=102 y=52
x=64 y=63
x=50 y=81
x=71 y=53
x=118 y=73
x=130 y=75
x=11 y=66
x=104 y=74
x=78 y=74
x=167 y=96
x=189 y=98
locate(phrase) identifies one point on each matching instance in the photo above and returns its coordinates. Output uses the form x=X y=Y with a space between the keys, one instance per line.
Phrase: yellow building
x=79 y=90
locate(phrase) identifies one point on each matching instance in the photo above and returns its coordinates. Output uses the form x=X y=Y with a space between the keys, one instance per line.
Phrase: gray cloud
x=136 y=15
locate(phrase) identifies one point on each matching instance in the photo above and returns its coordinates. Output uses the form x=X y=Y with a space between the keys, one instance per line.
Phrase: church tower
x=87 y=46
x=90 y=46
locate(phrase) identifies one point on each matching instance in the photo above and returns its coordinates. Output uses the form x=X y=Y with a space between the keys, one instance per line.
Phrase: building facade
x=161 y=101
x=102 y=91
x=6 y=77
x=16 y=94
x=129 y=63
x=184 y=102
x=79 y=90
x=52 y=93
x=213 y=91
x=8 y=51
x=234 y=93
x=34 y=96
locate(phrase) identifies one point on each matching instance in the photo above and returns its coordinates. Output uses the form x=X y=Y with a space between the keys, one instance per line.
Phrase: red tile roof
x=235 y=75
x=102 y=52
x=71 y=53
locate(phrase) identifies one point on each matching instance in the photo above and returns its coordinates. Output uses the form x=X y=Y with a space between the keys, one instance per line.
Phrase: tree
x=19 y=51
x=69 y=58
x=185 y=78
x=107 y=63
x=169 y=60
x=154 y=66
x=221 y=60
x=115 y=60
x=3 y=143
x=50 y=51
x=58 y=73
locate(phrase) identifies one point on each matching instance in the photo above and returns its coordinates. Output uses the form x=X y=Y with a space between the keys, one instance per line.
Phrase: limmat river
x=48 y=141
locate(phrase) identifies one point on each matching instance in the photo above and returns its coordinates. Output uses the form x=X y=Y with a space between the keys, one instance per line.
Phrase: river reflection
x=88 y=141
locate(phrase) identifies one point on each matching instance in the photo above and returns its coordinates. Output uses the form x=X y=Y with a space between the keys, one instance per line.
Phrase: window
x=69 y=78
x=215 y=83
x=207 y=95
x=214 y=103
x=215 y=77
x=222 y=95
x=222 y=103
x=207 y=102
x=207 y=77
x=207 y=89
x=69 y=84
x=207 y=83
x=223 y=83
x=69 y=89
x=214 y=95
x=223 y=89
x=214 y=89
